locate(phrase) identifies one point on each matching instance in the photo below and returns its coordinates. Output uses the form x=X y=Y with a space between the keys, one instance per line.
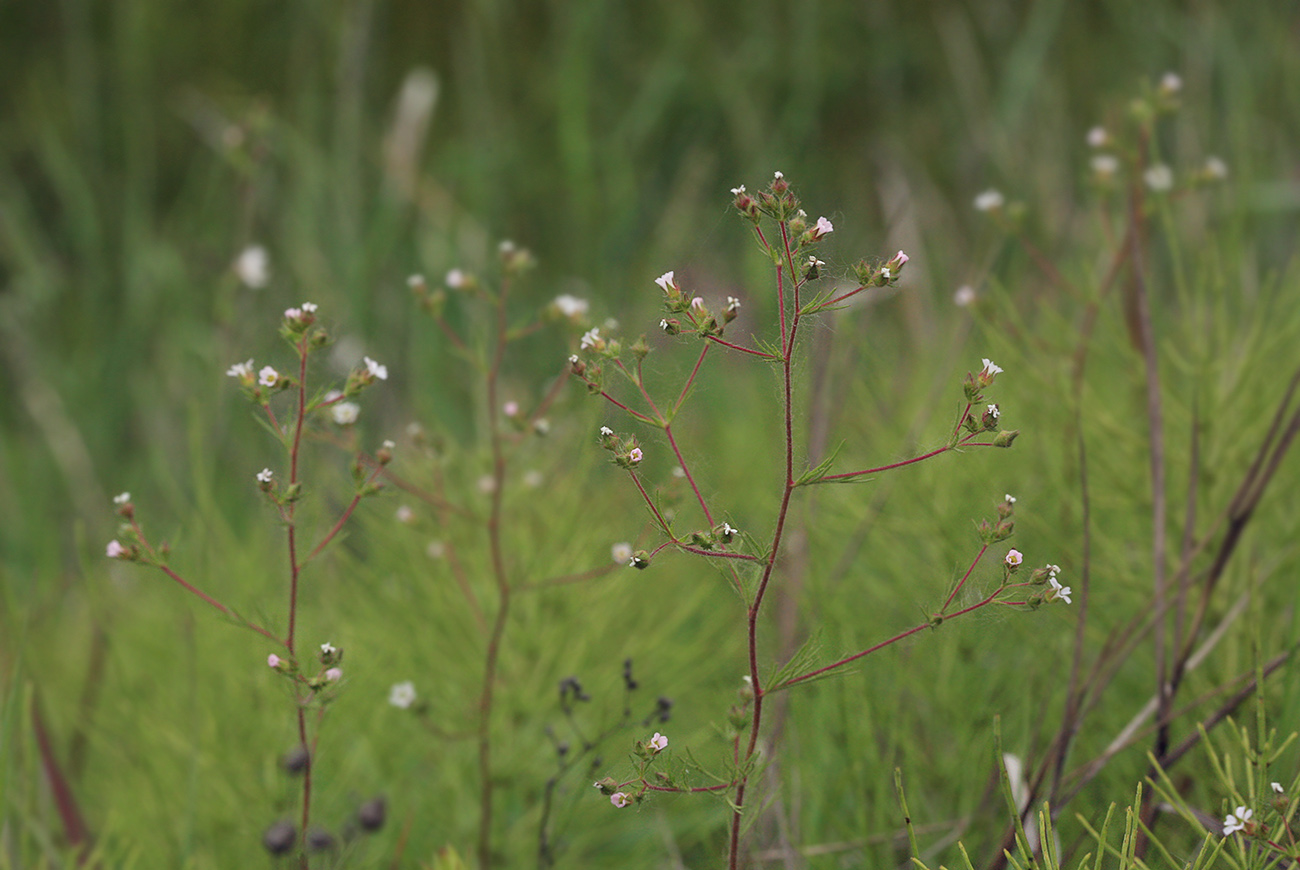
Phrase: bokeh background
x=144 y=144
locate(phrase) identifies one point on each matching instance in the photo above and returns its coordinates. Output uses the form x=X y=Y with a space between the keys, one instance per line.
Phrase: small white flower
x=435 y=550
x=1105 y=165
x=634 y=455
x=1277 y=787
x=659 y=742
x=570 y=306
x=268 y=376
x=487 y=484
x=665 y=281
x=884 y=273
x=456 y=279
x=1215 y=168
x=345 y=413
x=415 y=280
x=1097 y=137
x=309 y=307
x=402 y=695
x=114 y=550
x=376 y=370
x=404 y=514
x=507 y=246
x=989 y=200
x=605 y=431
x=264 y=476
x=1058 y=591
x=621 y=552
x=253 y=267
x=619 y=799
x=991 y=368
x=1011 y=499
x=532 y=478
x=122 y=498
x=589 y=338
x=679 y=472
x=1234 y=822
x=241 y=370
x=964 y=297
x=737 y=191
x=1014 y=558
x=733 y=304
x=728 y=530
x=778 y=175
x=994 y=412
x=1159 y=178
x=1171 y=83
x=328 y=649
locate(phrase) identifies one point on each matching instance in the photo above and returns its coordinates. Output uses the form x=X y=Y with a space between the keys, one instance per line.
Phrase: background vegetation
x=145 y=144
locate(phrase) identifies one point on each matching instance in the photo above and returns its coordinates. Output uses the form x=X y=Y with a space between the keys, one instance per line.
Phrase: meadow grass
x=604 y=139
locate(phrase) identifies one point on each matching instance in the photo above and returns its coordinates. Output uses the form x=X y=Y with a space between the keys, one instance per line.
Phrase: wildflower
x=990 y=371
x=1170 y=84
x=435 y=550
x=619 y=799
x=375 y=369
x=328 y=649
x=402 y=695
x=729 y=531
x=989 y=200
x=268 y=377
x=334 y=674
x=899 y=260
x=114 y=550
x=1234 y=822
x=1159 y=178
x=1058 y=591
x=733 y=304
x=253 y=267
x=1014 y=558
x=1215 y=169
x=456 y=279
x=345 y=413
x=590 y=339
x=293 y=314
x=309 y=307
x=994 y=412
x=634 y=455
x=487 y=484
x=532 y=479
x=243 y=371
x=415 y=281
x=605 y=431
x=964 y=297
x=510 y=409
x=1097 y=137
x=570 y=306
x=698 y=303
x=404 y=514
x=265 y=475
x=1105 y=165
x=659 y=742
x=273 y=661
x=778 y=175
x=122 y=498
x=823 y=228
x=1011 y=499
x=1277 y=787
x=666 y=282
x=737 y=191
x=621 y=552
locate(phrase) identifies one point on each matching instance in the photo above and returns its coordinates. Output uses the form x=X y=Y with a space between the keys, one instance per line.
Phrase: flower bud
x=371 y=814
x=1005 y=437
x=280 y=837
x=296 y=760
x=607 y=786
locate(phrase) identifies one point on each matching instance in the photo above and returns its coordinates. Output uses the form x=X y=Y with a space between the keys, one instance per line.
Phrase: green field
x=1146 y=324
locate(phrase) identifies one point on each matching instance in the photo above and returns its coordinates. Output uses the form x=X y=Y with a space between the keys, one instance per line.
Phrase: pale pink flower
x=666 y=282
x=634 y=456
x=659 y=742
x=376 y=370
x=619 y=799
x=115 y=550
x=1014 y=558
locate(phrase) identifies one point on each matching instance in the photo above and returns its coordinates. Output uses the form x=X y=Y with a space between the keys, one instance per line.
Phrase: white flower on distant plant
x=1014 y=558
x=415 y=280
x=621 y=552
x=1159 y=178
x=1234 y=822
x=679 y=472
x=309 y=307
x=487 y=484
x=265 y=475
x=532 y=478
x=345 y=413
x=243 y=370
x=989 y=200
x=619 y=799
x=1058 y=591
x=1011 y=499
x=570 y=306
x=659 y=742
x=435 y=550
x=375 y=369
x=404 y=514
x=1171 y=83
x=456 y=279
x=1097 y=137
x=1215 y=169
x=268 y=376
x=1105 y=165
x=666 y=282
x=328 y=649
x=634 y=455
x=964 y=297
x=402 y=695
x=1277 y=787
x=253 y=267
x=122 y=498
x=114 y=550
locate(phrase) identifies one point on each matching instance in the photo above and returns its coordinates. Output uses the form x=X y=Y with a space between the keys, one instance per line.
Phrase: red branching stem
x=343 y=518
x=644 y=418
x=953 y=594
x=718 y=554
x=686 y=387
x=757 y=353
x=699 y=496
x=663 y=524
x=843 y=296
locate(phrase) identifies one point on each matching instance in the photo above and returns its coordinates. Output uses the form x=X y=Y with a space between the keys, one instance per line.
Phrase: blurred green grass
x=604 y=138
